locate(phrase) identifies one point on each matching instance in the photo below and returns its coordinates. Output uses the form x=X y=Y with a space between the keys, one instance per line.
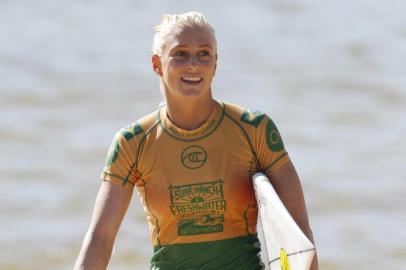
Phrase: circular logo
x=273 y=138
x=193 y=157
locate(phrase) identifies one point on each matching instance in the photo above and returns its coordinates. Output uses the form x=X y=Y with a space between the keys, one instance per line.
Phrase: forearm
x=111 y=205
x=94 y=254
x=287 y=185
x=315 y=263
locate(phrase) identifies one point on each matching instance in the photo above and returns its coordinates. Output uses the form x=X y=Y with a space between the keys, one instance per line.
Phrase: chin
x=192 y=93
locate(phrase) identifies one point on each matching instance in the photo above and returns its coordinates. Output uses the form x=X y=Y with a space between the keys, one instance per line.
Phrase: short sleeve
x=270 y=150
x=120 y=167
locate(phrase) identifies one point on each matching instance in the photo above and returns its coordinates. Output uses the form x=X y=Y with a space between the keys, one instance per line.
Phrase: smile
x=190 y=79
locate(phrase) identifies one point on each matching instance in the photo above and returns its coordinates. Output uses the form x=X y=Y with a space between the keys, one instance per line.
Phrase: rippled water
x=331 y=74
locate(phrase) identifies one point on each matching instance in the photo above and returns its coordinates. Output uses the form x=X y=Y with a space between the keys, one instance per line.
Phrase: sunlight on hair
x=170 y=21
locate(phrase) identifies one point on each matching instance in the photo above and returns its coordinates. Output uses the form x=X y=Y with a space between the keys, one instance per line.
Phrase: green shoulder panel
x=113 y=151
x=252 y=118
x=137 y=129
x=127 y=133
x=131 y=131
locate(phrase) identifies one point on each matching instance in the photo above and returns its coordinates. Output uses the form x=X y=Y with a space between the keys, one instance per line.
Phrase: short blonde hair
x=168 y=22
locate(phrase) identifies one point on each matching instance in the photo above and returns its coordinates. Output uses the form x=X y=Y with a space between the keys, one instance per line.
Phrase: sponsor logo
x=199 y=207
x=193 y=157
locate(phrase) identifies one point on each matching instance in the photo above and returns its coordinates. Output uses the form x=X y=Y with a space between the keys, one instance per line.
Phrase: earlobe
x=156 y=64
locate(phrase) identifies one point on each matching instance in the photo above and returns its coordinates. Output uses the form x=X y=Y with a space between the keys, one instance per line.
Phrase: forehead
x=191 y=36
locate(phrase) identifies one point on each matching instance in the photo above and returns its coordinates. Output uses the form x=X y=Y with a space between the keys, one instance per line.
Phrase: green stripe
x=125 y=181
x=254 y=161
x=244 y=132
x=275 y=161
x=135 y=163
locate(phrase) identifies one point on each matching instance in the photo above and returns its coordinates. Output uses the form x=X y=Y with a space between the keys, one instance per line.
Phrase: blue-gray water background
x=332 y=74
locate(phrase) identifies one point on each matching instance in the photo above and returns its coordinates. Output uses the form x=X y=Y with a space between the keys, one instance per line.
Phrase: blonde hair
x=169 y=22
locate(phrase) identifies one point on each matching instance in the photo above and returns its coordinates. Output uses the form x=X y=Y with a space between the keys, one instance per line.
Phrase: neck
x=189 y=113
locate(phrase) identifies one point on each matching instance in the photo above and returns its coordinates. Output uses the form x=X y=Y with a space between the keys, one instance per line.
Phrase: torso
x=195 y=185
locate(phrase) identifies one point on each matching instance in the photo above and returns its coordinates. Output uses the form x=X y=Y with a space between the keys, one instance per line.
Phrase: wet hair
x=169 y=22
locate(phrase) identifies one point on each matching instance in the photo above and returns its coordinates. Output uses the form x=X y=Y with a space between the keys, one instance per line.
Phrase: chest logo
x=193 y=157
x=199 y=207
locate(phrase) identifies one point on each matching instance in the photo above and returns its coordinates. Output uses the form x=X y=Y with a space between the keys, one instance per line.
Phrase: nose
x=193 y=63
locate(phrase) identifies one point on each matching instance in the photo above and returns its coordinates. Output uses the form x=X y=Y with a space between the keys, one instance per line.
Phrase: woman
x=191 y=163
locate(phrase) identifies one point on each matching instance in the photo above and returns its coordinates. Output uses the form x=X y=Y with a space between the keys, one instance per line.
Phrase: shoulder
x=245 y=117
x=257 y=125
x=147 y=122
x=139 y=128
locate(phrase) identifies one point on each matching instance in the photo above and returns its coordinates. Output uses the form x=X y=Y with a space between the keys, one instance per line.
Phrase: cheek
x=210 y=67
x=175 y=66
x=169 y=68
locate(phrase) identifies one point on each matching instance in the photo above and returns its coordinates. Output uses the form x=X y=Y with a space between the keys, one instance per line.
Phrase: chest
x=173 y=161
x=186 y=176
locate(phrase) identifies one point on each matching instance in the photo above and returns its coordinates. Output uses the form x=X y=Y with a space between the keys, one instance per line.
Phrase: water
x=331 y=74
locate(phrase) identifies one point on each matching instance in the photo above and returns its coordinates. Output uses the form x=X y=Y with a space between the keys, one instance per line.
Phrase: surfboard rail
x=287 y=247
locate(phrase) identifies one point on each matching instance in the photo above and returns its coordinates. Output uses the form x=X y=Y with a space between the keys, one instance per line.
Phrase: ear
x=156 y=64
x=215 y=66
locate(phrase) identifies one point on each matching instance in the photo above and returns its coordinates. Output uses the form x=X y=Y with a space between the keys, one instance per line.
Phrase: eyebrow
x=185 y=46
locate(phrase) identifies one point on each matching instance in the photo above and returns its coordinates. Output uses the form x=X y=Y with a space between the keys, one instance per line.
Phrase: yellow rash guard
x=195 y=186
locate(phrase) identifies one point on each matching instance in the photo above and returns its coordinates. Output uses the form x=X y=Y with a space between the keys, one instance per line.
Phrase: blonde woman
x=191 y=162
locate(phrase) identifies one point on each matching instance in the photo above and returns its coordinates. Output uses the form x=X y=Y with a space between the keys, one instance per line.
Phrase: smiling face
x=188 y=62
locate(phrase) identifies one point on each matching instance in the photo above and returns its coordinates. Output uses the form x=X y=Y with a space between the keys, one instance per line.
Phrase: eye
x=180 y=54
x=204 y=53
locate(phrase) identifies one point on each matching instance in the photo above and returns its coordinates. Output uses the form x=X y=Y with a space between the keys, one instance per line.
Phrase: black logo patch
x=193 y=157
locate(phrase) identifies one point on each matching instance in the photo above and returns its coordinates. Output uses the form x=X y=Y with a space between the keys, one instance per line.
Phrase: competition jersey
x=195 y=186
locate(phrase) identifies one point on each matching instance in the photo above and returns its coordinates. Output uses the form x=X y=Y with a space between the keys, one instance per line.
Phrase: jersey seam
x=245 y=134
x=135 y=163
x=124 y=181
x=246 y=222
x=255 y=159
x=275 y=161
x=149 y=210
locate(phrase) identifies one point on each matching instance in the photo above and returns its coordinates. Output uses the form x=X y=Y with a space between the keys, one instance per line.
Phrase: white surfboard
x=286 y=245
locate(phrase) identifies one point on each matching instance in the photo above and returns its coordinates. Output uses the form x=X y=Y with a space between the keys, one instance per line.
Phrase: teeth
x=192 y=79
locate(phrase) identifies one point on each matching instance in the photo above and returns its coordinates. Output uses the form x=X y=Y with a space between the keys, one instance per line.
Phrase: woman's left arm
x=287 y=184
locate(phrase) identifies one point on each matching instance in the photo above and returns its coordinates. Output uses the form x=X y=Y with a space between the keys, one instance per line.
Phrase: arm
x=287 y=184
x=111 y=205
